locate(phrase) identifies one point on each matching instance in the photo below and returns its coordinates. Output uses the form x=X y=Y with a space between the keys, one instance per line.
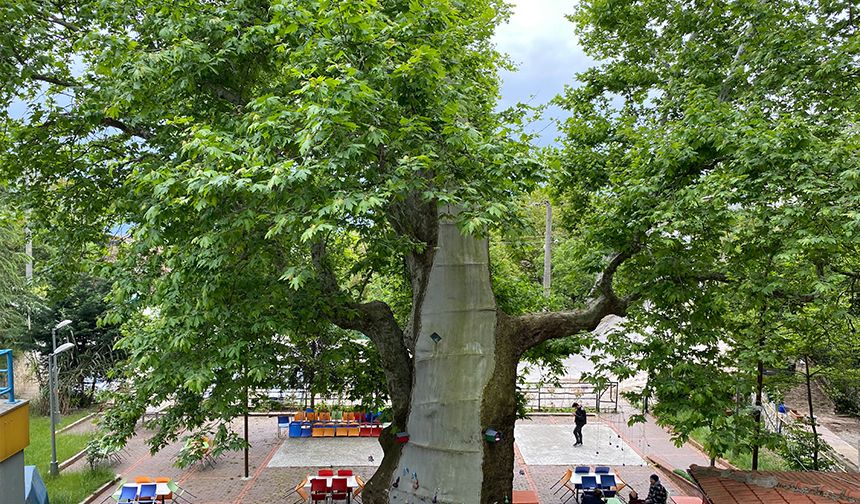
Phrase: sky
x=542 y=43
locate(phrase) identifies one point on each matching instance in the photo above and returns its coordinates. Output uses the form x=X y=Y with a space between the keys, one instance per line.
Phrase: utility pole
x=547 y=251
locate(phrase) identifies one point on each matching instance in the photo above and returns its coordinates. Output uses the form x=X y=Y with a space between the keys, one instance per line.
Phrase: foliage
x=93 y=356
x=799 y=447
x=11 y=268
x=230 y=138
x=720 y=141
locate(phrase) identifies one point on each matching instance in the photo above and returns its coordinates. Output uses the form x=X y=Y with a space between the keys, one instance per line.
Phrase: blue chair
x=589 y=482
x=283 y=424
x=601 y=470
x=306 y=429
x=295 y=429
x=582 y=470
x=607 y=481
x=146 y=494
x=128 y=494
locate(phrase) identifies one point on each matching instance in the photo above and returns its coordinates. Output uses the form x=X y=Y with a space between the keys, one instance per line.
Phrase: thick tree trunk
x=460 y=383
x=452 y=373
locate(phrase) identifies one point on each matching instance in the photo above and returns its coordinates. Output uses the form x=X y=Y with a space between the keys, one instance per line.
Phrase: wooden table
x=524 y=497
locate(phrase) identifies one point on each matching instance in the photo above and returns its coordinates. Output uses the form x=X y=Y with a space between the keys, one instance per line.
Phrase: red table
x=525 y=497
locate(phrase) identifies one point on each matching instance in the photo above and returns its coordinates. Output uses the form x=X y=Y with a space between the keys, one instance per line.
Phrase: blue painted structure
x=9 y=389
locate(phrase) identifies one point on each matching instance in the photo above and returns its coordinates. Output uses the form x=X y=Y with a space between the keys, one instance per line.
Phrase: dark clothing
x=588 y=498
x=579 y=420
x=657 y=494
x=579 y=417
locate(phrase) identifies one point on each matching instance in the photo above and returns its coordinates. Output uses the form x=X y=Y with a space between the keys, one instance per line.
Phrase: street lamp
x=52 y=385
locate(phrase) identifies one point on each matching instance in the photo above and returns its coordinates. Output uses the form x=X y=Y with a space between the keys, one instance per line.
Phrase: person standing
x=657 y=493
x=580 y=421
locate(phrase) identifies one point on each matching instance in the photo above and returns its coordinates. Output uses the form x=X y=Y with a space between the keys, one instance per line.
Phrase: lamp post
x=52 y=385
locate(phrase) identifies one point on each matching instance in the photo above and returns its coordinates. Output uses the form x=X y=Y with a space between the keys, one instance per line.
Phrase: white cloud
x=541 y=41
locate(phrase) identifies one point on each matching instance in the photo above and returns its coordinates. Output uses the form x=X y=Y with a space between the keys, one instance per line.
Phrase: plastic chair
x=299 y=489
x=283 y=424
x=582 y=470
x=318 y=430
x=177 y=492
x=128 y=494
x=365 y=430
x=601 y=470
x=319 y=490
x=376 y=431
x=607 y=484
x=589 y=482
x=328 y=430
x=356 y=494
x=353 y=430
x=339 y=490
x=146 y=494
x=562 y=483
x=306 y=429
x=342 y=431
x=344 y=472
x=325 y=472
x=142 y=479
x=300 y=417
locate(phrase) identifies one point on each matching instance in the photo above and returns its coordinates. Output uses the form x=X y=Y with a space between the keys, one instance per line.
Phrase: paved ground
x=278 y=464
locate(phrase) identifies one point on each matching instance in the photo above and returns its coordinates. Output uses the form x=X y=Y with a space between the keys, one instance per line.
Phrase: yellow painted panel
x=14 y=430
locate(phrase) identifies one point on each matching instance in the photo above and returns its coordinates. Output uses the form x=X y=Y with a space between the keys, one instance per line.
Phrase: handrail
x=9 y=389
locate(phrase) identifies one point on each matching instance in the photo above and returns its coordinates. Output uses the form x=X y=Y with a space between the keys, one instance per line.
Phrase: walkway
x=275 y=467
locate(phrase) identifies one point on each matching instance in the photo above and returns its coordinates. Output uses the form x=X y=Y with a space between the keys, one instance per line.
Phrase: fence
x=9 y=388
x=540 y=396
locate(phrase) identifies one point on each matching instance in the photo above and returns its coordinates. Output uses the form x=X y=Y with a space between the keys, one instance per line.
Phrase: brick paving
x=224 y=483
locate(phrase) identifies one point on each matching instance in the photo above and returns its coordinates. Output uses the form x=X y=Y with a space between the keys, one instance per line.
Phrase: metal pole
x=55 y=470
x=547 y=251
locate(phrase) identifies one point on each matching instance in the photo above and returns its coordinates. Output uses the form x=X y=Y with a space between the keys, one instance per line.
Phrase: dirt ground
x=846 y=427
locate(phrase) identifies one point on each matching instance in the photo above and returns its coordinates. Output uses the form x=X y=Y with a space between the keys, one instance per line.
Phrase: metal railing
x=540 y=396
x=9 y=373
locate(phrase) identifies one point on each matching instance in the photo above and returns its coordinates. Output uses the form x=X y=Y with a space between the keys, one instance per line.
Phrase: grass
x=767 y=459
x=70 y=487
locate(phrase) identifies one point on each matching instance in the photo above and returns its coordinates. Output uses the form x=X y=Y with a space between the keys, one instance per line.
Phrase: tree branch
x=376 y=321
x=125 y=128
x=535 y=328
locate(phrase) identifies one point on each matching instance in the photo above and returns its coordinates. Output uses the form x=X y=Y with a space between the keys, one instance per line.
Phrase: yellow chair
x=328 y=430
x=341 y=431
x=317 y=430
x=353 y=430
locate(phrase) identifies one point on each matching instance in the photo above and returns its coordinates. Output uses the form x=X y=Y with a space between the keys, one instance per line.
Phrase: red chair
x=344 y=472
x=377 y=430
x=366 y=430
x=325 y=472
x=319 y=490
x=339 y=490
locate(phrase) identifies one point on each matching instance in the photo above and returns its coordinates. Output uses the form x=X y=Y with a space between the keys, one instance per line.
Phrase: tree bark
x=451 y=374
x=815 y=445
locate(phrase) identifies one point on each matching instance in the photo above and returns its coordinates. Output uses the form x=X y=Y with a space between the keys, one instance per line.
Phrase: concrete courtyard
x=544 y=450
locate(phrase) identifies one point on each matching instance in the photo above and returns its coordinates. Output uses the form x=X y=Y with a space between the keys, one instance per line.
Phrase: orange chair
x=341 y=431
x=325 y=416
x=299 y=490
x=328 y=430
x=318 y=430
x=143 y=479
x=300 y=416
x=347 y=416
x=353 y=430
x=311 y=416
x=360 y=482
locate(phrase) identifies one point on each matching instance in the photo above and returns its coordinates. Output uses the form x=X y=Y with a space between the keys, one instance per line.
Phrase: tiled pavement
x=223 y=483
